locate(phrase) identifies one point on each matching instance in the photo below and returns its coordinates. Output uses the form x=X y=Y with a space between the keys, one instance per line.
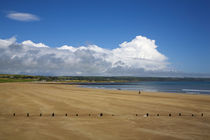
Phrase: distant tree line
x=101 y=78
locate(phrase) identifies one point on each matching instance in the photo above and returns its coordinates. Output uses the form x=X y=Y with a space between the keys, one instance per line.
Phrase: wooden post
x=27 y=114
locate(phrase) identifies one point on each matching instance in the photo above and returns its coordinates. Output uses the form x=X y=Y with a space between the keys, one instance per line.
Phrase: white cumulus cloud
x=141 y=52
x=137 y=57
x=32 y=44
x=4 y=43
x=22 y=16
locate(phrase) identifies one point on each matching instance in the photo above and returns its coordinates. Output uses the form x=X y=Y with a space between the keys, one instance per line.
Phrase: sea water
x=193 y=87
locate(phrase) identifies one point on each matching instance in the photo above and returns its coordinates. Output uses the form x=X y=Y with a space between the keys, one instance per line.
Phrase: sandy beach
x=123 y=113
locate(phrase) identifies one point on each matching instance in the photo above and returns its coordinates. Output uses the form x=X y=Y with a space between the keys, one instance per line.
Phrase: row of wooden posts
x=101 y=114
x=53 y=114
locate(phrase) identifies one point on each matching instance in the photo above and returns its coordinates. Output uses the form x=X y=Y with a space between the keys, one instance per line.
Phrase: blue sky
x=181 y=28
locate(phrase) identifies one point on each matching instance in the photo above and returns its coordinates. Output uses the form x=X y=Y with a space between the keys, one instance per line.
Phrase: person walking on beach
x=139 y=92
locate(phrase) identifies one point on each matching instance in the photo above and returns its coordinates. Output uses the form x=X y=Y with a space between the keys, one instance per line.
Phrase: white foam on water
x=195 y=90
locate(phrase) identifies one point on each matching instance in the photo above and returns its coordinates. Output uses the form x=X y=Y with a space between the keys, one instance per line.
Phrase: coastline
x=149 y=91
x=131 y=87
x=37 y=98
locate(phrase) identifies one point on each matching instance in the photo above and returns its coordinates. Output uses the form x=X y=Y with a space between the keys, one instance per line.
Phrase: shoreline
x=83 y=85
x=115 y=89
x=185 y=87
x=191 y=93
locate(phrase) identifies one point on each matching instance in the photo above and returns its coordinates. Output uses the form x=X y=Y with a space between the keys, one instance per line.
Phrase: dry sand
x=35 y=98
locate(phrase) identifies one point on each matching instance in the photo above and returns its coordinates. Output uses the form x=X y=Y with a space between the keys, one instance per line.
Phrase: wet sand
x=123 y=113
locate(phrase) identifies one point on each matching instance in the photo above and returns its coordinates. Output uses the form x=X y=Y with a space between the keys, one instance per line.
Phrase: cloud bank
x=139 y=57
x=22 y=16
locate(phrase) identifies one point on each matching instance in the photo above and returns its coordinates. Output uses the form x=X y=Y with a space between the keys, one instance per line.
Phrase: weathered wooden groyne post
x=101 y=114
